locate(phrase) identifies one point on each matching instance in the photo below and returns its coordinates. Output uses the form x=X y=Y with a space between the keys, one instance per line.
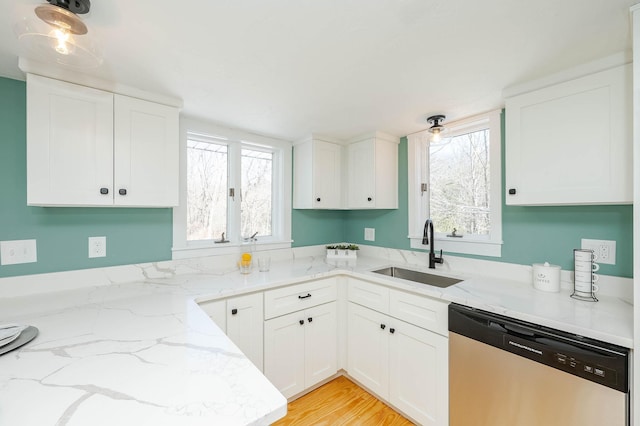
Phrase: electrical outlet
x=18 y=251
x=604 y=250
x=369 y=234
x=97 y=247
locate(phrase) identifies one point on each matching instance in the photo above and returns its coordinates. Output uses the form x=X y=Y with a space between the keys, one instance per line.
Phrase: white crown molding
x=608 y=62
x=47 y=70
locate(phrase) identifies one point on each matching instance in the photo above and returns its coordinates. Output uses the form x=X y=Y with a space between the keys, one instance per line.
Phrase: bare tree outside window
x=459 y=176
x=257 y=188
x=207 y=171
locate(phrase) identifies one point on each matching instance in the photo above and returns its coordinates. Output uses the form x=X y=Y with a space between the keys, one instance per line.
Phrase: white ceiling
x=285 y=68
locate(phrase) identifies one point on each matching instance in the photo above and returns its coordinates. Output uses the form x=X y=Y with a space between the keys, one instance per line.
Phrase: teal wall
x=311 y=227
x=531 y=234
x=133 y=235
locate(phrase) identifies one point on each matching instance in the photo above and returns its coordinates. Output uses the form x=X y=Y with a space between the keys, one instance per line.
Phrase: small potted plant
x=342 y=251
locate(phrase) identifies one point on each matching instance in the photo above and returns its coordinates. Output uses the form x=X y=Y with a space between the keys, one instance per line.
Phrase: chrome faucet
x=428 y=233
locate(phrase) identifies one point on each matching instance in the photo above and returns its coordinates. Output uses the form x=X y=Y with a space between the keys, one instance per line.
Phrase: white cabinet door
x=327 y=177
x=284 y=352
x=146 y=153
x=419 y=373
x=321 y=343
x=373 y=174
x=362 y=174
x=245 y=325
x=69 y=144
x=368 y=348
x=386 y=165
x=571 y=143
x=217 y=311
x=317 y=175
x=301 y=348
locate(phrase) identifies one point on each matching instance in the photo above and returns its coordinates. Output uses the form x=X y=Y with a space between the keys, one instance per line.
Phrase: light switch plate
x=97 y=247
x=604 y=250
x=18 y=251
x=369 y=234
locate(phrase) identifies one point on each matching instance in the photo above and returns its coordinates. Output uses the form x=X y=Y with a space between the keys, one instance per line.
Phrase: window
x=257 y=193
x=456 y=182
x=207 y=170
x=459 y=176
x=234 y=183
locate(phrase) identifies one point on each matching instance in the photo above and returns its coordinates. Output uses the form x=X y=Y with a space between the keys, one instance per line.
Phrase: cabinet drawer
x=302 y=296
x=421 y=311
x=367 y=294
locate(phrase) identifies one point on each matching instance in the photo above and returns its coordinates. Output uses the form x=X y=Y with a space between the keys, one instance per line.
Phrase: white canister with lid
x=546 y=277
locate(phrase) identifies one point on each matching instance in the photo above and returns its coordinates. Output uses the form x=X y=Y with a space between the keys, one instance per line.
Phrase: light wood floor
x=341 y=402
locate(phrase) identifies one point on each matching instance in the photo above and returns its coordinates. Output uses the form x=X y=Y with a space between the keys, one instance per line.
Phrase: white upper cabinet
x=571 y=143
x=373 y=172
x=88 y=147
x=69 y=144
x=146 y=152
x=317 y=174
x=360 y=175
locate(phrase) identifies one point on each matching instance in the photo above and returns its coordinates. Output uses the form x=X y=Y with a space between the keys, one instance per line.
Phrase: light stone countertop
x=143 y=352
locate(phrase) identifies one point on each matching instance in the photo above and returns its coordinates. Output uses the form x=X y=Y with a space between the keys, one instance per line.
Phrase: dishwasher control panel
x=587 y=369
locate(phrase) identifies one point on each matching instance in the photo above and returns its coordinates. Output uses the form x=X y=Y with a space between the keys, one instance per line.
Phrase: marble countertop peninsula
x=129 y=345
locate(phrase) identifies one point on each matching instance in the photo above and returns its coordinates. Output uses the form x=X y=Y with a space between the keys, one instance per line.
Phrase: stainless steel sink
x=419 y=277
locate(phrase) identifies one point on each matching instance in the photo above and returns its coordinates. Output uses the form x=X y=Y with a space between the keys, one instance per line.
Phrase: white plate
x=25 y=337
x=9 y=334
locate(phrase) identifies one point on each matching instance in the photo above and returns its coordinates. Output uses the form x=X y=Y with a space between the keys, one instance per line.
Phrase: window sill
x=207 y=249
x=480 y=248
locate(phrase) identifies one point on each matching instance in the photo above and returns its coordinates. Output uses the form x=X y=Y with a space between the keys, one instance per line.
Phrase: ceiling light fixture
x=59 y=34
x=436 y=129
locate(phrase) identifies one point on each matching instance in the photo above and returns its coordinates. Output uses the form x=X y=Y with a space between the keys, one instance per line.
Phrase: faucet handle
x=438 y=259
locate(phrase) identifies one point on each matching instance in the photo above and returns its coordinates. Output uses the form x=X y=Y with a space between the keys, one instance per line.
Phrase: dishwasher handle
x=520 y=331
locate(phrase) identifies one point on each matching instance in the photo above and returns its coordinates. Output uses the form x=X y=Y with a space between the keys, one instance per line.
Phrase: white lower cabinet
x=217 y=311
x=396 y=342
x=245 y=316
x=419 y=373
x=300 y=348
x=241 y=318
x=368 y=348
x=403 y=364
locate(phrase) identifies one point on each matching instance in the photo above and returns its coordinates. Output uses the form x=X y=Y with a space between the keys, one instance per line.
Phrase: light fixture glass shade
x=55 y=34
x=436 y=129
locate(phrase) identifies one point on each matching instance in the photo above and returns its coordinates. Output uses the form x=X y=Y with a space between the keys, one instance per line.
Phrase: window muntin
x=207 y=186
x=460 y=182
x=257 y=192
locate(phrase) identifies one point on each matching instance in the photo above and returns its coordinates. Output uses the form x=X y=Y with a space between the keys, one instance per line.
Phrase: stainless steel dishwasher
x=506 y=372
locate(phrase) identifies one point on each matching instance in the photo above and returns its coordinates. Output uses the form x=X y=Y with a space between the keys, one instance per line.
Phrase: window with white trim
x=232 y=183
x=456 y=183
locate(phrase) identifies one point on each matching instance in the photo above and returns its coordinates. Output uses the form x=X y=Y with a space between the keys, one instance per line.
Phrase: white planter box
x=335 y=254
x=341 y=257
